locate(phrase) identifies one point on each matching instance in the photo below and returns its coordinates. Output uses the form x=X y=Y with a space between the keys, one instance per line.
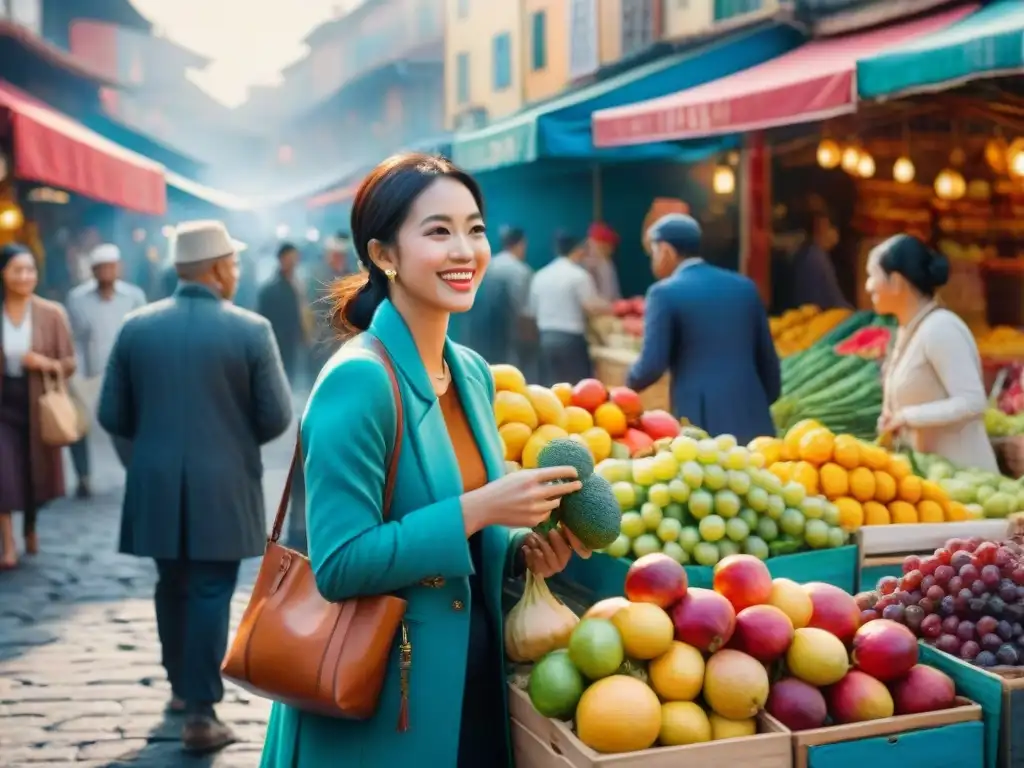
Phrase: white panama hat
x=195 y=241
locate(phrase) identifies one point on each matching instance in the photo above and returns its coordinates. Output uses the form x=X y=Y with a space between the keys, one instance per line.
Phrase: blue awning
x=561 y=127
x=988 y=43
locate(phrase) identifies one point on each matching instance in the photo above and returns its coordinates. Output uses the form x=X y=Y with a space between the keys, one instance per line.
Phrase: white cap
x=195 y=241
x=337 y=244
x=108 y=253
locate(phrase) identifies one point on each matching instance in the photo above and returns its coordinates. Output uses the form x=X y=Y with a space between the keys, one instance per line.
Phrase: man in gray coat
x=197 y=385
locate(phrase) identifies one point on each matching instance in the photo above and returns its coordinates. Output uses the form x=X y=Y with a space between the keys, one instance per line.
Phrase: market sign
x=505 y=145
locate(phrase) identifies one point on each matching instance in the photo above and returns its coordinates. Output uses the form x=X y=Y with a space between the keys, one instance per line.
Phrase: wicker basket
x=1010 y=455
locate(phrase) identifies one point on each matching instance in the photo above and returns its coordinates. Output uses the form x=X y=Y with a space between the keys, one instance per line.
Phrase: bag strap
x=396 y=451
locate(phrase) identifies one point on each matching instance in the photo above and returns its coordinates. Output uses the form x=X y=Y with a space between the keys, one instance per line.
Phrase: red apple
x=628 y=402
x=923 y=689
x=834 y=610
x=704 y=619
x=743 y=580
x=884 y=649
x=859 y=697
x=588 y=394
x=797 y=705
x=762 y=631
x=659 y=424
x=656 y=578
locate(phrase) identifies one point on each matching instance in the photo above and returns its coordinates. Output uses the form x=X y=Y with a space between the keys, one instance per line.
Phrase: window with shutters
x=583 y=39
x=637 y=26
x=539 y=41
x=502 y=64
x=726 y=9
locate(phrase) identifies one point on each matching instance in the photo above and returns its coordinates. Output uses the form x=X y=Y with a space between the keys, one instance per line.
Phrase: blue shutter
x=462 y=78
x=540 y=40
x=502 y=61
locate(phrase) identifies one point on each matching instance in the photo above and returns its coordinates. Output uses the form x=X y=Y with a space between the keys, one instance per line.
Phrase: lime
x=793 y=494
x=677 y=553
x=625 y=495
x=705 y=553
x=684 y=448
x=692 y=474
x=727 y=547
x=646 y=545
x=620 y=547
x=675 y=511
x=792 y=522
x=701 y=503
x=715 y=477
x=689 y=537
x=556 y=685
x=712 y=528
x=669 y=529
x=595 y=648
x=738 y=482
x=679 y=490
x=736 y=529
x=756 y=546
x=767 y=529
x=775 y=507
x=836 y=538
x=652 y=515
x=757 y=499
x=831 y=514
x=659 y=494
x=727 y=504
x=816 y=534
x=813 y=507
x=750 y=517
x=632 y=524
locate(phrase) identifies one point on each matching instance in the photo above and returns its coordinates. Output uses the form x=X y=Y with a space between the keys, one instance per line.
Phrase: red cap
x=602 y=233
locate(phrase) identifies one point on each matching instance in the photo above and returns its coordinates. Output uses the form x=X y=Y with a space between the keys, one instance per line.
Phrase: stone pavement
x=81 y=684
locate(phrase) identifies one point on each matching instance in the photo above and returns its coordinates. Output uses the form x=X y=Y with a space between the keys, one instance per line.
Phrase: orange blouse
x=471 y=462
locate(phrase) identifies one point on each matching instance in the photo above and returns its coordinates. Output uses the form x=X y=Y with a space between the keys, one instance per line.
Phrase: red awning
x=814 y=82
x=51 y=148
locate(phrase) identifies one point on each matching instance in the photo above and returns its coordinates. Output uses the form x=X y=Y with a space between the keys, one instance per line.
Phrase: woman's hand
x=33 y=361
x=890 y=423
x=522 y=499
x=548 y=555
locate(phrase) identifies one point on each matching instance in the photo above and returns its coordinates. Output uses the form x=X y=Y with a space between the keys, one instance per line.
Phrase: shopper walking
x=279 y=301
x=35 y=342
x=197 y=385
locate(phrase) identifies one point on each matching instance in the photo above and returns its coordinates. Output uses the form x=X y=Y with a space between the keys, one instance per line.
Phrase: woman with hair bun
x=934 y=392
x=458 y=525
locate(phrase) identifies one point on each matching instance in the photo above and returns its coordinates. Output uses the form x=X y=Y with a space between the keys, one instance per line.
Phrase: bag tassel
x=404 y=665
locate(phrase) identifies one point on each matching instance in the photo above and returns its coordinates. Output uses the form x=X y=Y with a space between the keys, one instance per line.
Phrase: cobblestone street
x=80 y=678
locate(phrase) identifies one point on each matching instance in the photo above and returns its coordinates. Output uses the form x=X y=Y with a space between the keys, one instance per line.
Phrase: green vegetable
x=592 y=513
x=563 y=452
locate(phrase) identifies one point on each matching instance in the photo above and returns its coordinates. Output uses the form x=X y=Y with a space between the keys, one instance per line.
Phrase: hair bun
x=938 y=269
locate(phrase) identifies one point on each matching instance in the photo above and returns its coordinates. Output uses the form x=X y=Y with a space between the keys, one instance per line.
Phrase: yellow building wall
x=474 y=33
x=554 y=77
x=609 y=31
x=685 y=18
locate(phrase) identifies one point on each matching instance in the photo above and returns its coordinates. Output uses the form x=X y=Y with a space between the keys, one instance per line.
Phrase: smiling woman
x=449 y=539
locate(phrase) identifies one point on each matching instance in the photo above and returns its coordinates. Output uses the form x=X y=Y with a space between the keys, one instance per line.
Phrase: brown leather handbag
x=295 y=647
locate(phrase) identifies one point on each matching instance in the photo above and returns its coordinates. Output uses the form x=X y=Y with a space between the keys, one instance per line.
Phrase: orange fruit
x=563 y=392
x=851 y=513
x=544 y=435
x=846 y=451
x=957 y=512
x=910 y=489
x=769 y=447
x=806 y=474
x=514 y=435
x=834 y=481
x=874 y=456
x=885 y=487
x=610 y=418
x=599 y=442
x=816 y=446
x=902 y=512
x=930 y=512
x=876 y=514
x=512 y=406
x=862 y=484
x=795 y=434
x=508 y=378
x=548 y=407
x=782 y=470
x=899 y=466
x=577 y=420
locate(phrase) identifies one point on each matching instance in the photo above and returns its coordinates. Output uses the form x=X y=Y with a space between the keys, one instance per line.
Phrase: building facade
x=546 y=44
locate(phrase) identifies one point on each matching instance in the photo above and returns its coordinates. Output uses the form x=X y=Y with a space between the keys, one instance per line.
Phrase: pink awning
x=814 y=82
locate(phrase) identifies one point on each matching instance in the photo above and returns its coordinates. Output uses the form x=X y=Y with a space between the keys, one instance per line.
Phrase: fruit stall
x=615 y=345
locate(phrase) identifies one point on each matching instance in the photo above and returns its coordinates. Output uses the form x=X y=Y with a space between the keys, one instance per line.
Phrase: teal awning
x=561 y=127
x=988 y=43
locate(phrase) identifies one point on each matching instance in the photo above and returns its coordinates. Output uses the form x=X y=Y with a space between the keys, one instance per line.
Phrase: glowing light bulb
x=1017 y=164
x=724 y=180
x=950 y=184
x=903 y=170
x=866 y=166
x=828 y=154
x=312 y=234
x=282 y=231
x=850 y=159
x=11 y=219
x=167 y=230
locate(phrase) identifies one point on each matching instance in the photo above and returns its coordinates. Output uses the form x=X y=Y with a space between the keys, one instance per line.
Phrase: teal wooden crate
x=1001 y=700
x=605 y=576
x=960 y=745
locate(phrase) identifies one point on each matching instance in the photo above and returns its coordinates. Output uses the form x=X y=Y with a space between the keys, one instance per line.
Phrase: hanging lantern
x=828 y=154
x=1015 y=158
x=903 y=170
x=11 y=218
x=850 y=158
x=950 y=185
x=866 y=166
x=724 y=180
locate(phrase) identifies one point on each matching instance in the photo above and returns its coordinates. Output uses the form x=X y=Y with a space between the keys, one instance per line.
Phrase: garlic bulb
x=538 y=624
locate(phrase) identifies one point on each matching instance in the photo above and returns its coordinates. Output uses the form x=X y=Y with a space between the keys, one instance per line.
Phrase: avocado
x=592 y=513
x=563 y=452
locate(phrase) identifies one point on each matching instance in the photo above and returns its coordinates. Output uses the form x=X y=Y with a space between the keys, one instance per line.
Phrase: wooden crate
x=612 y=366
x=950 y=738
x=539 y=742
x=1000 y=692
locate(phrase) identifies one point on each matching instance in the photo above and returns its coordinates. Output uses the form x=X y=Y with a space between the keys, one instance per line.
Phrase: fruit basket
x=539 y=742
x=1010 y=454
x=612 y=365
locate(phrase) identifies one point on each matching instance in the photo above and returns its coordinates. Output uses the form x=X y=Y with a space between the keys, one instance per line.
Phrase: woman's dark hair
x=7 y=254
x=381 y=206
x=923 y=268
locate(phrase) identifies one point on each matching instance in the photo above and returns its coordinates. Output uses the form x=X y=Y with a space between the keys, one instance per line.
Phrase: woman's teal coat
x=347 y=434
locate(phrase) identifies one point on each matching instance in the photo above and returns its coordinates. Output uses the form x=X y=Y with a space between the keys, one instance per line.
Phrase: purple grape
x=969 y=650
x=965 y=631
x=894 y=613
x=931 y=626
x=960 y=559
x=1007 y=655
x=949 y=644
x=986 y=625
x=947 y=606
x=991 y=576
x=1008 y=592
x=927 y=583
x=913 y=616
x=969 y=573
x=943 y=574
x=985 y=659
x=907 y=598
x=955 y=585
x=978 y=588
x=991 y=642
x=926 y=604
x=935 y=593
x=950 y=625
x=1005 y=630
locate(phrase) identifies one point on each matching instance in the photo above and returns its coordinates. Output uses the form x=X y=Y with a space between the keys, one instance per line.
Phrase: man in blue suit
x=197 y=385
x=708 y=327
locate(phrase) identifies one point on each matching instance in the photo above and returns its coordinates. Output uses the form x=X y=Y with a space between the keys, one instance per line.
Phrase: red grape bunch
x=966 y=599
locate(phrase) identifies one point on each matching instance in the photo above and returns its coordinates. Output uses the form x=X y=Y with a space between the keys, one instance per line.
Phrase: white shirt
x=558 y=294
x=96 y=321
x=17 y=342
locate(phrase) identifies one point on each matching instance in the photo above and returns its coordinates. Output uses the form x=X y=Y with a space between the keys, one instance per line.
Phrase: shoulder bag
x=61 y=421
x=295 y=647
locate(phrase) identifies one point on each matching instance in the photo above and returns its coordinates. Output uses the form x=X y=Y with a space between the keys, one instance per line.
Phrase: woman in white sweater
x=934 y=394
